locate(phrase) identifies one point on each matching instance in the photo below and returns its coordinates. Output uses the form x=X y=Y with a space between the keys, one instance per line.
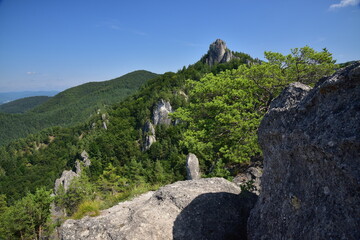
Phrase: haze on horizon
x=48 y=45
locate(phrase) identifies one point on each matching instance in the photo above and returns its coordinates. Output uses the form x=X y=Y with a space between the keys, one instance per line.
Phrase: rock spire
x=218 y=53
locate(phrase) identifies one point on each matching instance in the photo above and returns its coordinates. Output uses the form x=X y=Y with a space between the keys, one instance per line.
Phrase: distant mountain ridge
x=23 y=104
x=6 y=97
x=71 y=106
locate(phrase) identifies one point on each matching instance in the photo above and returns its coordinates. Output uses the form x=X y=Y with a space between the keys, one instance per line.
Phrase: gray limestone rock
x=192 y=167
x=218 y=53
x=161 y=113
x=77 y=167
x=250 y=178
x=104 y=116
x=85 y=158
x=209 y=208
x=148 y=141
x=66 y=177
x=149 y=128
x=148 y=135
x=183 y=94
x=311 y=146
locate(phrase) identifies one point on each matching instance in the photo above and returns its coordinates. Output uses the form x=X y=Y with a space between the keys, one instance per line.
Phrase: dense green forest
x=71 y=106
x=218 y=110
x=6 y=97
x=23 y=104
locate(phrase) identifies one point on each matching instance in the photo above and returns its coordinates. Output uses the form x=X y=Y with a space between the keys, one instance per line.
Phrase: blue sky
x=54 y=45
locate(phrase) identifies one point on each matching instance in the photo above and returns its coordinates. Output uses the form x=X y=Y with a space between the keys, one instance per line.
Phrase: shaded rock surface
x=311 y=146
x=250 y=178
x=209 y=208
x=218 y=53
x=161 y=113
x=192 y=167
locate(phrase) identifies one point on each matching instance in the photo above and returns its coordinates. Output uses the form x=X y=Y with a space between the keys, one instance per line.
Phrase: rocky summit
x=218 y=53
x=211 y=208
x=311 y=144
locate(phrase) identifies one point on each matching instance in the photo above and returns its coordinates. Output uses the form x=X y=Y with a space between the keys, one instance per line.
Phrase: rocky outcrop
x=85 y=158
x=198 y=209
x=148 y=135
x=66 y=177
x=218 y=53
x=161 y=113
x=311 y=145
x=160 y=116
x=192 y=167
x=250 y=178
x=64 y=182
x=105 y=120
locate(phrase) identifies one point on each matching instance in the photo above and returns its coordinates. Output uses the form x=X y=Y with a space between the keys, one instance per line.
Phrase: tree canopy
x=225 y=110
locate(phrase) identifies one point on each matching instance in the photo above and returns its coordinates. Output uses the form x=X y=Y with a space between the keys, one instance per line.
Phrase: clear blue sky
x=54 y=45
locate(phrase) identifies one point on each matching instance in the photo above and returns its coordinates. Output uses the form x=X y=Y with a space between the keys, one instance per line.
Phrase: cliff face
x=311 y=145
x=161 y=113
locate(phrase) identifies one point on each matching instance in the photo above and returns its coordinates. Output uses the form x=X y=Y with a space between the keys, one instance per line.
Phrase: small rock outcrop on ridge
x=66 y=177
x=311 y=145
x=160 y=116
x=65 y=180
x=148 y=135
x=161 y=113
x=85 y=157
x=209 y=208
x=218 y=53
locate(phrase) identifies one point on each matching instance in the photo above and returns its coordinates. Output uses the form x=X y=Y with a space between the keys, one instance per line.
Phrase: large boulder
x=209 y=208
x=311 y=144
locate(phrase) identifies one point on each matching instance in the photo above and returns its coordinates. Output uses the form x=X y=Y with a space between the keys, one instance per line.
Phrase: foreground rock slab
x=211 y=208
x=311 y=145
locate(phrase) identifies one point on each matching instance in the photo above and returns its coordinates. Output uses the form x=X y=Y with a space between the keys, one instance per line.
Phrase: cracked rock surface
x=311 y=180
x=211 y=208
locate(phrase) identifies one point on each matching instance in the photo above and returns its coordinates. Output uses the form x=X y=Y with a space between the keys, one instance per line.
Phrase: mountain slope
x=120 y=166
x=71 y=106
x=40 y=158
x=6 y=97
x=23 y=104
x=99 y=93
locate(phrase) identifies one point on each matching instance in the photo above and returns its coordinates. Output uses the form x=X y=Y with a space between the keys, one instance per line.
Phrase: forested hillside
x=23 y=104
x=71 y=106
x=217 y=112
x=6 y=97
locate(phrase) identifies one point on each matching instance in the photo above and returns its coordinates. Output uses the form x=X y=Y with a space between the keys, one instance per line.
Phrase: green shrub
x=87 y=208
